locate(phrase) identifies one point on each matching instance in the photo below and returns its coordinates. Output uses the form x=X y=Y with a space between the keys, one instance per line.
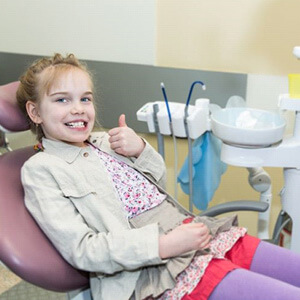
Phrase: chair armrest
x=246 y=205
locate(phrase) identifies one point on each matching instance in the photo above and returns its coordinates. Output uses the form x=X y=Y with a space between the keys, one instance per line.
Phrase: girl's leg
x=277 y=262
x=243 y=284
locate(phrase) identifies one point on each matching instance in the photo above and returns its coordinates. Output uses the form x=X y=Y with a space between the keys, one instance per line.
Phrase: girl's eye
x=86 y=99
x=63 y=100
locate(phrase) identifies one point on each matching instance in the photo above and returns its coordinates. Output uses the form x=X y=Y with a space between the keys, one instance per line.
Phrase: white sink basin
x=246 y=127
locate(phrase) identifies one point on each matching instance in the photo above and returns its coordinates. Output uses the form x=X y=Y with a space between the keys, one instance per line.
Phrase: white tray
x=247 y=127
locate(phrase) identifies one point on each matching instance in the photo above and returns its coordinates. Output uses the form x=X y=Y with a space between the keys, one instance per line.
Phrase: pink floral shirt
x=136 y=192
x=138 y=195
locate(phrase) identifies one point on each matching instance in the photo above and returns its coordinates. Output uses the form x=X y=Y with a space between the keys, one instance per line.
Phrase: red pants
x=240 y=256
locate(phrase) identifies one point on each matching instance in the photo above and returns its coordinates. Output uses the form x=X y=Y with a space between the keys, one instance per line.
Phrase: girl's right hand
x=124 y=141
x=184 y=238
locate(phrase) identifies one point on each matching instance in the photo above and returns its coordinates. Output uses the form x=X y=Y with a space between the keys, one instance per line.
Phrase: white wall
x=263 y=90
x=263 y=93
x=107 y=30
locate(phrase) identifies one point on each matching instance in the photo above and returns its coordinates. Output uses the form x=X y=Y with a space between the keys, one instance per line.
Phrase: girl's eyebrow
x=88 y=93
x=58 y=93
x=66 y=93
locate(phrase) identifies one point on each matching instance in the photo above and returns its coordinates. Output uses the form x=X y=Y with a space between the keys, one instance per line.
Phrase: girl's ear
x=32 y=111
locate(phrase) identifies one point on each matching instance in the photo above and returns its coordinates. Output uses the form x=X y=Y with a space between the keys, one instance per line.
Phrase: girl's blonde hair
x=33 y=85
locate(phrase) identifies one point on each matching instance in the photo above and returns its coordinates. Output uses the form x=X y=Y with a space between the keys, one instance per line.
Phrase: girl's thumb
x=122 y=121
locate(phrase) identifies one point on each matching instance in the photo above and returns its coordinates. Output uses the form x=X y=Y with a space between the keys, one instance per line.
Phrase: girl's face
x=66 y=113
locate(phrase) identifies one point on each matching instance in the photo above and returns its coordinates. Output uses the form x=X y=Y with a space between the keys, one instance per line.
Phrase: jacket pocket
x=86 y=203
x=78 y=191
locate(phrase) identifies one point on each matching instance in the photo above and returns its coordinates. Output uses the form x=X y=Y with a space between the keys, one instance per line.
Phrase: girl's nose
x=77 y=108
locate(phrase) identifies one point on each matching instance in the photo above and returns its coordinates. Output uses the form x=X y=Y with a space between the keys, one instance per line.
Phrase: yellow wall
x=251 y=36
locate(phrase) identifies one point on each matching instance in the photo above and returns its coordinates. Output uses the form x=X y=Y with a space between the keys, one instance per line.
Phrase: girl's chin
x=80 y=144
x=79 y=141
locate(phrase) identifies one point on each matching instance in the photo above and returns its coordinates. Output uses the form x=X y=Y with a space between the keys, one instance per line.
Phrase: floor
x=7 y=280
x=14 y=288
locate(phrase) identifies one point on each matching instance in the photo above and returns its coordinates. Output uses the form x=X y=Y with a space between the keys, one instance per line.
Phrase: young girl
x=100 y=199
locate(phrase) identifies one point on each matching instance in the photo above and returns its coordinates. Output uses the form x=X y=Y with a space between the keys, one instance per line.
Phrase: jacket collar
x=69 y=152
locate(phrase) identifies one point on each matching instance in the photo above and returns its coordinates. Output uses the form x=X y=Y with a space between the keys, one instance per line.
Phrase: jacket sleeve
x=151 y=163
x=82 y=246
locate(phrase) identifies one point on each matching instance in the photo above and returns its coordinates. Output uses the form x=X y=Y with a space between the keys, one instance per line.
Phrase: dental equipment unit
x=193 y=121
x=265 y=146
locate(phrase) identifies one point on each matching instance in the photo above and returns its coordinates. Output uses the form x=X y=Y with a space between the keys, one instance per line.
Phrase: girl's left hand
x=123 y=140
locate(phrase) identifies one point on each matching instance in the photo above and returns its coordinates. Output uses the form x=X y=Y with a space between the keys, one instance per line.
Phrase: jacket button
x=85 y=154
x=94 y=141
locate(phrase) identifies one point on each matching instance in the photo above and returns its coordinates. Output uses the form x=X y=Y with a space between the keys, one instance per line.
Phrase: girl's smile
x=77 y=124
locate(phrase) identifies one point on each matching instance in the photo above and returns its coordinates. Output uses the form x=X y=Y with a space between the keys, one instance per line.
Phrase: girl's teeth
x=76 y=124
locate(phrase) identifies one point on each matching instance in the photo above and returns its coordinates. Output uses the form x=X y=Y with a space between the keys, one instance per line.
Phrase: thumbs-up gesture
x=123 y=140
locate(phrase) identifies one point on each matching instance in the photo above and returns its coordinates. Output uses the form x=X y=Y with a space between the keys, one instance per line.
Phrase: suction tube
x=174 y=140
x=191 y=90
x=166 y=101
x=190 y=152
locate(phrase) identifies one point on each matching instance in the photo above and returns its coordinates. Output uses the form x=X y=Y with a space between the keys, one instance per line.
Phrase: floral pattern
x=135 y=191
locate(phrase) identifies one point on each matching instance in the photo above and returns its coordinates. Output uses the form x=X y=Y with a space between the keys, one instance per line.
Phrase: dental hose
x=190 y=146
x=174 y=140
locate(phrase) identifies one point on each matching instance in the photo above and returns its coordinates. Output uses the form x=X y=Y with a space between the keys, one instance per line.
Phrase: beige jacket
x=72 y=198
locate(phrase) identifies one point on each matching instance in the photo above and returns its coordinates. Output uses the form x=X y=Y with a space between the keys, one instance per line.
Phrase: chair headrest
x=11 y=118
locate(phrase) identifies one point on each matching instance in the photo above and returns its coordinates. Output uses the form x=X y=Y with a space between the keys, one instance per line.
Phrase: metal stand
x=4 y=143
x=160 y=138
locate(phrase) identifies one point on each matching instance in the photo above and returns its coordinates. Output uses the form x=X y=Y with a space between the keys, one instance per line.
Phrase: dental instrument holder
x=284 y=154
x=187 y=121
x=198 y=118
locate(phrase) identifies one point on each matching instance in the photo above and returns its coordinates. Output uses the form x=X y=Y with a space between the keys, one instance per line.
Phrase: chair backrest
x=24 y=248
x=11 y=118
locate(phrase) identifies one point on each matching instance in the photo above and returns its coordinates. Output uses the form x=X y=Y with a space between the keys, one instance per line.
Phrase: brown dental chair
x=24 y=248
